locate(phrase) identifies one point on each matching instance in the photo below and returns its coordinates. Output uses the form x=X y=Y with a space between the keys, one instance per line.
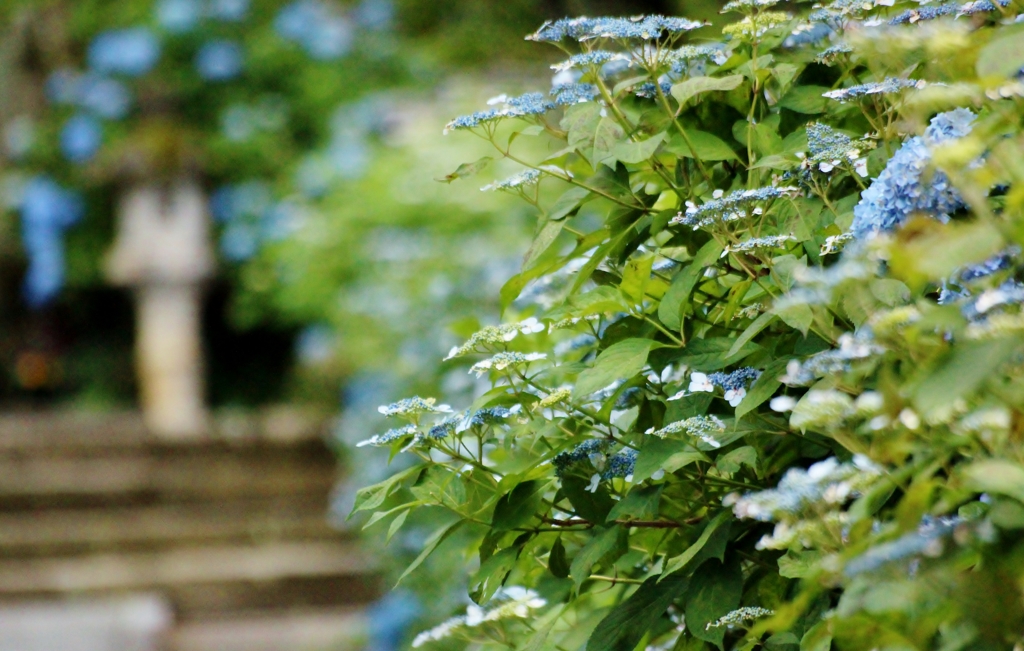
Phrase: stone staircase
x=114 y=540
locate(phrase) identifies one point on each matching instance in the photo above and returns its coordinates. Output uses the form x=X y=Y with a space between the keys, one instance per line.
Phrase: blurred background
x=222 y=245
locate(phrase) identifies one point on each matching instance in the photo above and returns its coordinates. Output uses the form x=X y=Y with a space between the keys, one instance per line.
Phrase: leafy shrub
x=762 y=384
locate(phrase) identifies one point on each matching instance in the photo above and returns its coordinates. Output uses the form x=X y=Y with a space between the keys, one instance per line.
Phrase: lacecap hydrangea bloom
x=902 y=189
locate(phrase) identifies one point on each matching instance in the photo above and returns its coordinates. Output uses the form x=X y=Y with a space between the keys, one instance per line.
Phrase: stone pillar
x=162 y=251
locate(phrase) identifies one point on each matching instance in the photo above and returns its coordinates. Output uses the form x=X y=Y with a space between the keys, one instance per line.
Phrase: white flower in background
x=782 y=403
x=735 y=396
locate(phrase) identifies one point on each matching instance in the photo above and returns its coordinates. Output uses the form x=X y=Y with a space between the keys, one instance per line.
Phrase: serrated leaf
x=619 y=361
x=603 y=542
x=751 y=331
x=466 y=170
x=710 y=544
x=762 y=389
x=664 y=454
x=627 y=623
x=696 y=85
x=805 y=99
x=569 y=203
x=517 y=508
x=371 y=497
x=607 y=136
x=641 y=503
x=637 y=152
x=798 y=565
x=708 y=147
x=715 y=590
x=580 y=124
x=671 y=309
x=430 y=545
x=545 y=238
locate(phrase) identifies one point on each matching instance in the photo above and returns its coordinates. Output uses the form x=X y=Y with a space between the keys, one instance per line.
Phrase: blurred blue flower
x=349 y=156
x=279 y=221
x=47 y=210
x=375 y=15
x=219 y=60
x=322 y=33
x=239 y=241
x=229 y=10
x=132 y=52
x=106 y=97
x=179 y=16
x=315 y=345
x=389 y=618
x=62 y=86
x=233 y=202
x=314 y=175
x=81 y=138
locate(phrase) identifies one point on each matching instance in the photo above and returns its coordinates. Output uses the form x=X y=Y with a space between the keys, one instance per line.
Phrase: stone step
x=329 y=629
x=61 y=531
x=179 y=566
x=184 y=474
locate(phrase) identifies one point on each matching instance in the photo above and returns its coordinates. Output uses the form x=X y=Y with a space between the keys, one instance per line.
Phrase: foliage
x=815 y=216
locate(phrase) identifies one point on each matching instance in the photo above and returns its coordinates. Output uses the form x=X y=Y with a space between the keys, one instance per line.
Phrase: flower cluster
x=413 y=407
x=512 y=107
x=568 y=94
x=740 y=616
x=390 y=436
x=495 y=336
x=316 y=27
x=509 y=602
x=501 y=361
x=590 y=450
x=807 y=34
x=649 y=90
x=829 y=55
x=586 y=29
x=756 y=26
x=734 y=384
x=522 y=179
x=829 y=149
x=766 y=242
x=682 y=57
x=736 y=205
x=828 y=481
x=699 y=427
x=901 y=189
x=589 y=59
x=931 y=12
x=888 y=85
x=852 y=346
x=746 y=5
x=926 y=540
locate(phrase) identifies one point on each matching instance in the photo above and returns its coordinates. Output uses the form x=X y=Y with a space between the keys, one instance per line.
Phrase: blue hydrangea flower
x=641 y=27
x=736 y=205
x=511 y=107
x=132 y=52
x=375 y=15
x=81 y=138
x=47 y=210
x=179 y=16
x=808 y=34
x=901 y=189
x=219 y=60
x=106 y=97
x=888 y=85
x=323 y=33
x=648 y=90
x=566 y=94
x=231 y=11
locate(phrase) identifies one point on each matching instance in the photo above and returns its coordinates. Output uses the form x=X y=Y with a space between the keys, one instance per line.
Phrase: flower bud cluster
x=700 y=427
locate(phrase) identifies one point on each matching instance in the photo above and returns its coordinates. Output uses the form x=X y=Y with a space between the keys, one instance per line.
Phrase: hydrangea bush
x=760 y=378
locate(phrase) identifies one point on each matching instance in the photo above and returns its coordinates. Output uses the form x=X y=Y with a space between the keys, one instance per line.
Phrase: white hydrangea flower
x=735 y=396
x=700 y=382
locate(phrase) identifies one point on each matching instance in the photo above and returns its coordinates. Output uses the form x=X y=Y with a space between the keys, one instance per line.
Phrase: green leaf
x=602 y=543
x=796 y=315
x=696 y=85
x=1001 y=57
x=664 y=454
x=970 y=364
x=713 y=354
x=558 y=565
x=715 y=590
x=517 y=508
x=465 y=170
x=541 y=632
x=733 y=461
x=569 y=202
x=441 y=486
x=752 y=330
x=430 y=545
x=371 y=497
x=817 y=638
x=608 y=135
x=396 y=524
x=890 y=291
x=762 y=389
x=619 y=361
x=996 y=476
x=798 y=565
x=671 y=309
x=710 y=544
x=635 y=278
x=593 y=507
x=597 y=301
x=641 y=503
x=547 y=235
x=492 y=574
x=706 y=145
x=805 y=99
x=628 y=622
x=580 y=123
x=637 y=152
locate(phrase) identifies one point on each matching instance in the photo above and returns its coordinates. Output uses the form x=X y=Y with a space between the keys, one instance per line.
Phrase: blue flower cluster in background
x=219 y=60
x=321 y=31
x=131 y=52
x=181 y=16
x=251 y=217
x=902 y=189
x=47 y=210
